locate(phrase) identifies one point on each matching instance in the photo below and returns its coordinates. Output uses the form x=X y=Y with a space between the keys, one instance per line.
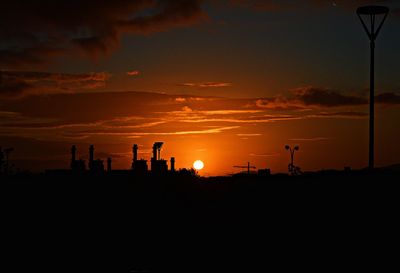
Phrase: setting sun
x=198 y=165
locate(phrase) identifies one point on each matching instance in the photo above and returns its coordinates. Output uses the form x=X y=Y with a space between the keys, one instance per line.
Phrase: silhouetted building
x=158 y=165
x=138 y=166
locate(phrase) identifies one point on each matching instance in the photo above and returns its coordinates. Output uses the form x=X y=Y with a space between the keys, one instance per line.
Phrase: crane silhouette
x=248 y=167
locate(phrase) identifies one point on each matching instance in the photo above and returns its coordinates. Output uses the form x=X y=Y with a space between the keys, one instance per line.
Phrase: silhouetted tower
x=372 y=32
x=91 y=157
x=173 y=164
x=109 y=162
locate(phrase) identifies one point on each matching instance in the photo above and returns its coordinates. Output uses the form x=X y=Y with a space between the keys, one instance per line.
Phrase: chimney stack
x=155 y=157
x=109 y=162
x=173 y=164
x=91 y=156
x=135 y=153
x=73 y=155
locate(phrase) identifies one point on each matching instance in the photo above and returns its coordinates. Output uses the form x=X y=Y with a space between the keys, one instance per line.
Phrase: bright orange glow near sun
x=198 y=165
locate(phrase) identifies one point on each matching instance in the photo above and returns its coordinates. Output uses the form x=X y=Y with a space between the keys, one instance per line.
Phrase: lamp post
x=292 y=151
x=372 y=31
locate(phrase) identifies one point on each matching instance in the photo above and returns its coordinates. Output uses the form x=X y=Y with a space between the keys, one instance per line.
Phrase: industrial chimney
x=173 y=164
x=135 y=153
x=155 y=157
x=157 y=150
x=109 y=162
x=91 y=156
x=73 y=155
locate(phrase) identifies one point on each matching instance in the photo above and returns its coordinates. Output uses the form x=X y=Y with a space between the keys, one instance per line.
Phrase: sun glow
x=198 y=165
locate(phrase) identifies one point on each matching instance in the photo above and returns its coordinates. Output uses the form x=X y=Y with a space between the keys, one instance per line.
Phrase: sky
x=227 y=82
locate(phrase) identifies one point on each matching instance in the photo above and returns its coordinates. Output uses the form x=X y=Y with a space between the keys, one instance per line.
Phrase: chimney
x=173 y=164
x=91 y=156
x=135 y=153
x=73 y=153
x=155 y=152
x=109 y=162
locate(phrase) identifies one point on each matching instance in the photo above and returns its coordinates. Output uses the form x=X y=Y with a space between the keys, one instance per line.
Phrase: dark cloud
x=30 y=31
x=13 y=87
x=315 y=97
x=20 y=55
x=15 y=84
x=310 y=96
x=279 y=5
x=388 y=99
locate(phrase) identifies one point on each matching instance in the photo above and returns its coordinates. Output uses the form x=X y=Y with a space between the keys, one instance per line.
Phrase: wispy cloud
x=311 y=139
x=133 y=73
x=207 y=84
x=95 y=115
x=176 y=133
x=265 y=155
x=20 y=83
x=248 y=135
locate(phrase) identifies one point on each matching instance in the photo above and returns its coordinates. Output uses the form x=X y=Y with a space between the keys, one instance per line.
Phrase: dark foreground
x=320 y=222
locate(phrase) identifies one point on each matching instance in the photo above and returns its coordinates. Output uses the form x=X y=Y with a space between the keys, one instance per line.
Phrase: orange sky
x=221 y=132
x=227 y=82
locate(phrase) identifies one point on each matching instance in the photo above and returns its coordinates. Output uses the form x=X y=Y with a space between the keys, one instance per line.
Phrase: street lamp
x=363 y=13
x=292 y=168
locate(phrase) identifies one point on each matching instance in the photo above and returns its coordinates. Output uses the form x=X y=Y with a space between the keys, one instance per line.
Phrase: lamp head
x=296 y=148
x=287 y=147
x=372 y=10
